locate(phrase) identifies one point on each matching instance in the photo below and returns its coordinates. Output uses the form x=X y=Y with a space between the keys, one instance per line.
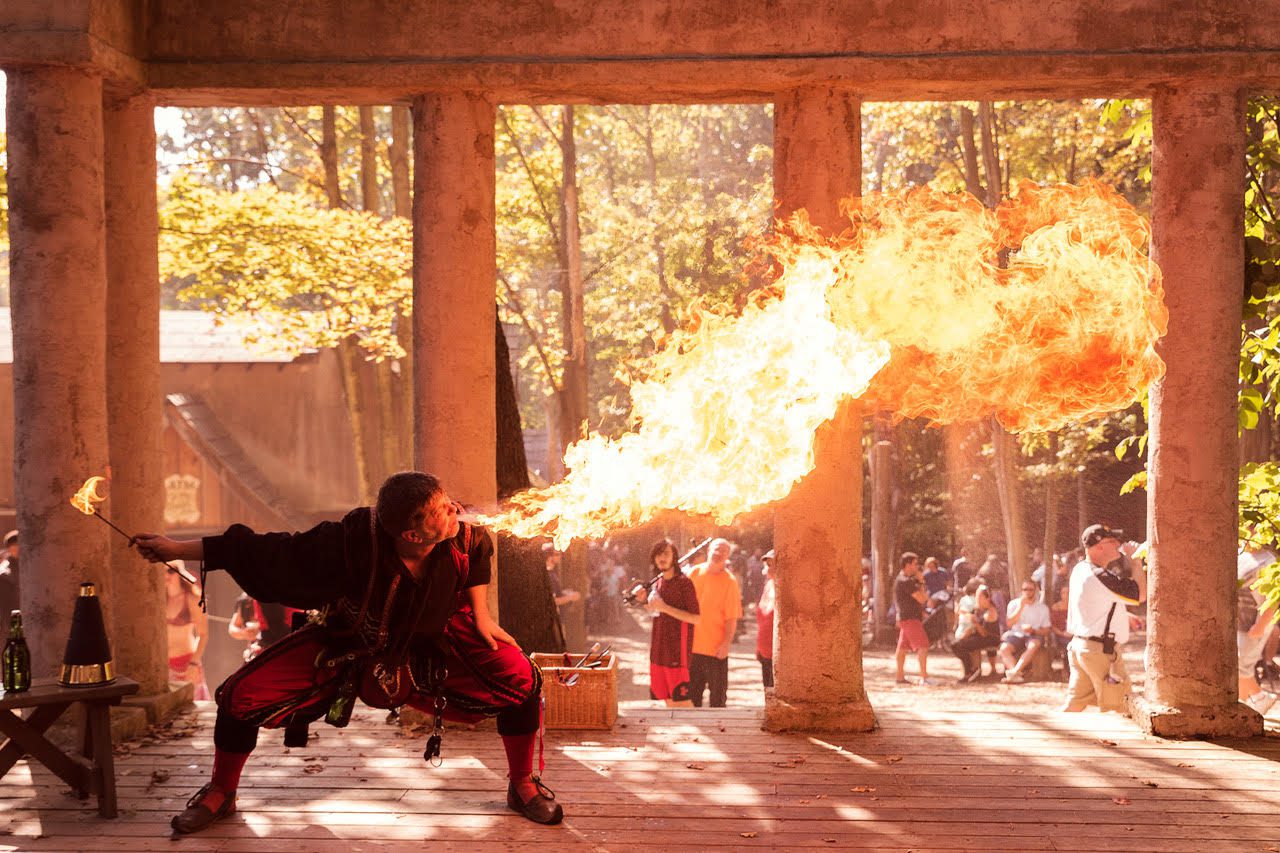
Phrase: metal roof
x=186 y=337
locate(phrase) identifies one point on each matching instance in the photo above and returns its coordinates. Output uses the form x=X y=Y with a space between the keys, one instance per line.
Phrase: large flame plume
x=1043 y=312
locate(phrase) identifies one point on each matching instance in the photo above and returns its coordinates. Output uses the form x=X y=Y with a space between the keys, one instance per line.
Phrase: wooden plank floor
x=664 y=780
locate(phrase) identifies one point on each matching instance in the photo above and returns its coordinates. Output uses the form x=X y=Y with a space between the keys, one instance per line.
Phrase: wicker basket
x=591 y=703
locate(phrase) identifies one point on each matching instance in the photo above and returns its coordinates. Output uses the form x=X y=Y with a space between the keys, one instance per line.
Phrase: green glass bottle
x=17 y=657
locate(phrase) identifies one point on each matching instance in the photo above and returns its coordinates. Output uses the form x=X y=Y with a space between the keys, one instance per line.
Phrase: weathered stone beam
x=709 y=79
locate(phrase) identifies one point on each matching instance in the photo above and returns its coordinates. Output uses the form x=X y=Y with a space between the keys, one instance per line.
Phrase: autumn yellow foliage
x=299 y=275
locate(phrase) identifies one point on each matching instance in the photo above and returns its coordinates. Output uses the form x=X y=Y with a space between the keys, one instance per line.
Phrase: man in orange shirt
x=720 y=606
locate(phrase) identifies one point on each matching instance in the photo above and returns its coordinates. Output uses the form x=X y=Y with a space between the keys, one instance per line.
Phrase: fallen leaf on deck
x=313 y=768
x=748 y=834
x=1121 y=801
x=1033 y=791
x=863 y=789
x=829 y=840
x=892 y=759
x=783 y=764
x=157 y=777
x=1188 y=764
x=1149 y=783
x=1106 y=742
x=799 y=759
x=822 y=796
x=695 y=766
x=803 y=802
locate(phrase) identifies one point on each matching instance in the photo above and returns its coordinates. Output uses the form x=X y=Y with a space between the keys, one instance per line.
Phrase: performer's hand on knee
x=493 y=632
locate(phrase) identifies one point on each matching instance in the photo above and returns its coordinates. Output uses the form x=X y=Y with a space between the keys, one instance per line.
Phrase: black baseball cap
x=1095 y=533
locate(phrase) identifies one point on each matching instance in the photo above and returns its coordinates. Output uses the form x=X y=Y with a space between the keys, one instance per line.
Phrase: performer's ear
x=412 y=536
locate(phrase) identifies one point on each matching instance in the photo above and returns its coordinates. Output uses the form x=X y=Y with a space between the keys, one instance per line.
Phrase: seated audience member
x=977 y=629
x=1029 y=628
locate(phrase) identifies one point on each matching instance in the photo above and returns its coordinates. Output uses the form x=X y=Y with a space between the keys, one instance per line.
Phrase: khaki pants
x=1096 y=678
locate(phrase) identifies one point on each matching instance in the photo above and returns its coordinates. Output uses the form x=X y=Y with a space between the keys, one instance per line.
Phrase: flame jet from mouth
x=1043 y=312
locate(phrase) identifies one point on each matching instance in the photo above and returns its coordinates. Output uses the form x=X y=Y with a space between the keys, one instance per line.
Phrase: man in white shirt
x=1029 y=625
x=1097 y=617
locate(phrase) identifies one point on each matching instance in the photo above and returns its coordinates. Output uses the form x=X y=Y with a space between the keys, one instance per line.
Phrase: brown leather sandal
x=198 y=815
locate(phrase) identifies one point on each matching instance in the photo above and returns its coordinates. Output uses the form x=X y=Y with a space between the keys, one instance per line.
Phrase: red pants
x=284 y=680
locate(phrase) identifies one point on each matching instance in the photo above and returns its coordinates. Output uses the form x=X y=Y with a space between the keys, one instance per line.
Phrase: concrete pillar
x=134 y=406
x=1197 y=218
x=818 y=528
x=454 y=307
x=58 y=280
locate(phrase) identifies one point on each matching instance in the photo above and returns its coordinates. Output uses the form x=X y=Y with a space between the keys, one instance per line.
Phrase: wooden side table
x=92 y=771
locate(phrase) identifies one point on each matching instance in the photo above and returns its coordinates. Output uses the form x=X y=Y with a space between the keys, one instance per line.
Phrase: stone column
x=1198 y=227
x=454 y=307
x=135 y=412
x=58 y=280
x=818 y=528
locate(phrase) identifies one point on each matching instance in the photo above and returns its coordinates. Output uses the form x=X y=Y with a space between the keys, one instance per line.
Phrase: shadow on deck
x=668 y=780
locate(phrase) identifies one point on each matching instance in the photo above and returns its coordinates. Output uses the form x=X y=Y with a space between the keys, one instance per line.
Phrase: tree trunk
x=1010 y=503
x=882 y=562
x=329 y=155
x=513 y=468
x=370 y=197
x=524 y=596
x=401 y=193
x=1084 y=512
x=573 y=401
x=1050 y=523
x=349 y=355
x=349 y=361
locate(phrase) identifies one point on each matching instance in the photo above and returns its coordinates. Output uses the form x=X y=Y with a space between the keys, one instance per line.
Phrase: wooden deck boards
x=675 y=780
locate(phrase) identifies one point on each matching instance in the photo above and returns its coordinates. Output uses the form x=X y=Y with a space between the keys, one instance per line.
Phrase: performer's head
x=413 y=506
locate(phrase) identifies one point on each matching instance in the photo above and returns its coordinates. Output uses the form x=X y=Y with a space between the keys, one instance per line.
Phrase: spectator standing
x=1029 y=627
x=977 y=630
x=1098 y=619
x=720 y=608
x=1254 y=626
x=10 y=599
x=909 y=597
x=674 y=604
x=764 y=621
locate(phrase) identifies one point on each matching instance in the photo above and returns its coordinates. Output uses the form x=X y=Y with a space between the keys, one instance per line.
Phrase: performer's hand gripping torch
x=87 y=499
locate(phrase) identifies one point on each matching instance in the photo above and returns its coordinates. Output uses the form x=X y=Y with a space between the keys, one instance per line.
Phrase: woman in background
x=188 y=633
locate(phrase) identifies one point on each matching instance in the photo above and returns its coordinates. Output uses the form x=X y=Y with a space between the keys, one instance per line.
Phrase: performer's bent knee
x=523 y=719
x=233 y=735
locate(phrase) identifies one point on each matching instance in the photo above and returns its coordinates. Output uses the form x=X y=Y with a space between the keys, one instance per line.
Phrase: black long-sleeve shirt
x=332 y=565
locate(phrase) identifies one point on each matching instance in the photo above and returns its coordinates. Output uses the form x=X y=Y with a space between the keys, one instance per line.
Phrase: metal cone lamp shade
x=87 y=660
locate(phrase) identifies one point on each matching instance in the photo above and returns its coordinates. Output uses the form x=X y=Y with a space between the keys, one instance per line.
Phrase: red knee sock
x=519 y=754
x=227 y=767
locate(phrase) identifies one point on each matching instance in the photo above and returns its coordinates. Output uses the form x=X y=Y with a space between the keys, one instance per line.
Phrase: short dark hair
x=909 y=557
x=402 y=498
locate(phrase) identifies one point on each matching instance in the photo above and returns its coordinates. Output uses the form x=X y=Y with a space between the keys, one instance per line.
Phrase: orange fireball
x=1042 y=312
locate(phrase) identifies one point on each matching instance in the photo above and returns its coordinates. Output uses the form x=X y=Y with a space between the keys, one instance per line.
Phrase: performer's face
x=441 y=521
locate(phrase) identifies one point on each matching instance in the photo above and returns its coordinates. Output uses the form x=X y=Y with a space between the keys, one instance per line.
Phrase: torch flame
x=1043 y=312
x=87 y=499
